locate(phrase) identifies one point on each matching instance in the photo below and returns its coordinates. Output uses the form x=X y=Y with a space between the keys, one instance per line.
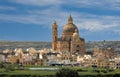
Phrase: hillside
x=104 y=44
x=39 y=45
x=24 y=45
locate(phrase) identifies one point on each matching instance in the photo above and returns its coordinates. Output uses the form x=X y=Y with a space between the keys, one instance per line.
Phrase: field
x=49 y=73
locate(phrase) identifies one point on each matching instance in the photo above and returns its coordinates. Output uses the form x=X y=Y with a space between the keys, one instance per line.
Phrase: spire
x=54 y=24
x=70 y=20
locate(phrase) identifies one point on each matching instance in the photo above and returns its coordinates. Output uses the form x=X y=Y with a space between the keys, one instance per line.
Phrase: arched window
x=55 y=38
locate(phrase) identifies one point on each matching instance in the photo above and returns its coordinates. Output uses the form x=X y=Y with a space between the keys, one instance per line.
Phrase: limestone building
x=70 y=40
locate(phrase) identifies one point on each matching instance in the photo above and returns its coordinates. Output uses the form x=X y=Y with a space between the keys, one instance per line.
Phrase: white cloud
x=96 y=25
x=101 y=4
x=85 y=21
x=39 y=2
x=7 y=8
x=46 y=17
x=92 y=23
x=24 y=19
x=116 y=31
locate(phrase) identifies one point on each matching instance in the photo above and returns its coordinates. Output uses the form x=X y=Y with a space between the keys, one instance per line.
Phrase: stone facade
x=69 y=41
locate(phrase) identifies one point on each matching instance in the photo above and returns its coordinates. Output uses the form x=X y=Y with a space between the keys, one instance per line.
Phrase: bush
x=79 y=70
x=1 y=65
x=65 y=72
x=104 y=71
x=9 y=67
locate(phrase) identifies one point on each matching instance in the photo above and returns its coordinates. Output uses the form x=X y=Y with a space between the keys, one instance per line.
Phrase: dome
x=75 y=34
x=69 y=28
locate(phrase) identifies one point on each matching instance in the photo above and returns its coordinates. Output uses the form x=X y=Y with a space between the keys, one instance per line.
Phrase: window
x=77 y=50
x=77 y=46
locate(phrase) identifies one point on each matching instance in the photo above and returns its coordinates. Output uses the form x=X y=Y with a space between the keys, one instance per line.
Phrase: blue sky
x=31 y=20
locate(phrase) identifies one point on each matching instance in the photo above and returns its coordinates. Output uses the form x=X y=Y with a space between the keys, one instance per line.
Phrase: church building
x=70 y=40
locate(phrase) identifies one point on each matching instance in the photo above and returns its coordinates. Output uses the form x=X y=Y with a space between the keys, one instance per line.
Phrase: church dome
x=75 y=34
x=69 y=28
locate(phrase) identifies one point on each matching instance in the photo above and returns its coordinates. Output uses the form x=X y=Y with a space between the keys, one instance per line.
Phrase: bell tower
x=54 y=35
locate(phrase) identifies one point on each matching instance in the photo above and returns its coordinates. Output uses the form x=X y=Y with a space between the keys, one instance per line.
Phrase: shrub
x=9 y=67
x=65 y=72
x=1 y=65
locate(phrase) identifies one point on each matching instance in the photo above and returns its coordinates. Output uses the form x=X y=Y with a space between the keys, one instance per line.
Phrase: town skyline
x=31 y=20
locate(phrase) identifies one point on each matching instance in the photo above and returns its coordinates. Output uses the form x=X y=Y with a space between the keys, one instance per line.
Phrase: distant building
x=70 y=40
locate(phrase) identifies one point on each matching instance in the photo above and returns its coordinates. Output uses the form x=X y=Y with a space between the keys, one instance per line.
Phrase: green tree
x=65 y=72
